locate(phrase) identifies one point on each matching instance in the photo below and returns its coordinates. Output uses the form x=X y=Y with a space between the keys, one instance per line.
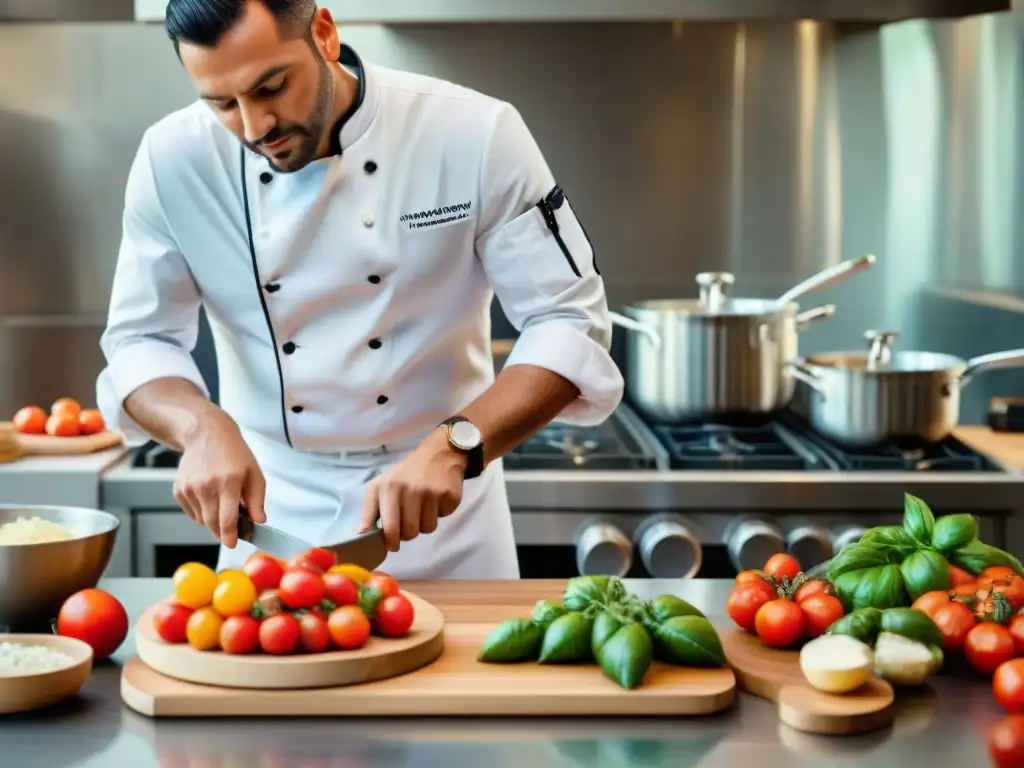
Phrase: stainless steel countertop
x=946 y=722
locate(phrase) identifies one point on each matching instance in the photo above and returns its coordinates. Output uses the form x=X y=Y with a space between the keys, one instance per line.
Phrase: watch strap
x=474 y=456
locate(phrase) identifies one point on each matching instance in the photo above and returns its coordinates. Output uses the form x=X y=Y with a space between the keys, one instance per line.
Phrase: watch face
x=464 y=435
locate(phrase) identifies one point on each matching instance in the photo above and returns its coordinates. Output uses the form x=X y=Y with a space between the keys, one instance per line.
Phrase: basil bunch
x=893 y=565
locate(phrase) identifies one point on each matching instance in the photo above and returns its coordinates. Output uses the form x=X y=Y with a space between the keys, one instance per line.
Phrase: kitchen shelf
x=401 y=12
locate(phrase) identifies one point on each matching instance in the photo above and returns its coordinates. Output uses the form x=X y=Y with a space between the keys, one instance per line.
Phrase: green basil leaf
x=878 y=587
x=582 y=591
x=567 y=640
x=512 y=641
x=954 y=531
x=975 y=557
x=863 y=625
x=911 y=623
x=890 y=537
x=605 y=625
x=546 y=611
x=627 y=655
x=689 y=641
x=856 y=557
x=918 y=519
x=666 y=606
x=925 y=571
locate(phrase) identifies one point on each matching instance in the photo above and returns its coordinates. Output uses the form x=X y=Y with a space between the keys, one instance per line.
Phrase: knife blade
x=267 y=539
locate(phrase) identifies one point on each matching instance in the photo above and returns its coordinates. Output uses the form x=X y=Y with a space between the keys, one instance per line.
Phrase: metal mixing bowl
x=36 y=579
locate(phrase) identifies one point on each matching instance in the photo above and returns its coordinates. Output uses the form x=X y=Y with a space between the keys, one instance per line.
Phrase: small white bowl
x=33 y=690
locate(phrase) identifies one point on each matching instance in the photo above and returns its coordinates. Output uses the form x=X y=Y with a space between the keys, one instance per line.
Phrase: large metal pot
x=694 y=358
x=863 y=399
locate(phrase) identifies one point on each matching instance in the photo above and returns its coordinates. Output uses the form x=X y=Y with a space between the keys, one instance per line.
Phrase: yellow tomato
x=194 y=584
x=203 y=629
x=357 y=573
x=234 y=596
x=231 y=573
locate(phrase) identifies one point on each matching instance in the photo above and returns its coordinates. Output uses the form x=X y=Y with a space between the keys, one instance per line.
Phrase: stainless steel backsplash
x=770 y=150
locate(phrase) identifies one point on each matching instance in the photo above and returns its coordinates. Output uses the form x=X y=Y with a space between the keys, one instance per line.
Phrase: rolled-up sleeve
x=541 y=265
x=153 y=320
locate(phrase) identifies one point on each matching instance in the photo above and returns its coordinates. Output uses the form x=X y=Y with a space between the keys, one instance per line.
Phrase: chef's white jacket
x=360 y=315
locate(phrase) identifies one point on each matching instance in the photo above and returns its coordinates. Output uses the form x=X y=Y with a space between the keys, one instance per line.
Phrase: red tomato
x=954 y=620
x=90 y=422
x=820 y=611
x=745 y=600
x=1011 y=585
x=62 y=425
x=30 y=420
x=782 y=566
x=314 y=636
x=813 y=587
x=340 y=589
x=321 y=558
x=95 y=617
x=66 y=405
x=349 y=628
x=1016 y=627
x=394 y=616
x=958 y=577
x=239 y=635
x=302 y=563
x=996 y=573
x=280 y=634
x=269 y=603
x=380 y=582
x=264 y=571
x=1008 y=685
x=987 y=646
x=779 y=623
x=170 y=620
x=746 y=576
x=301 y=589
x=1006 y=742
x=930 y=602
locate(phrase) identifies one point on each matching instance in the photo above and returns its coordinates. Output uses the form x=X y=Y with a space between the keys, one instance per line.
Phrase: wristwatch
x=464 y=436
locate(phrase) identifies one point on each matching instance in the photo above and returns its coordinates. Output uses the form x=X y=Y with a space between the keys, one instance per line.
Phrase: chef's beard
x=311 y=133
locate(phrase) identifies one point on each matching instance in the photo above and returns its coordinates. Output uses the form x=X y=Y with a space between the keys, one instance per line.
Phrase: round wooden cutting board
x=776 y=676
x=380 y=658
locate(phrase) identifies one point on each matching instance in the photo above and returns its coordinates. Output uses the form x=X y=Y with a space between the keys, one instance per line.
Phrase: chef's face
x=274 y=92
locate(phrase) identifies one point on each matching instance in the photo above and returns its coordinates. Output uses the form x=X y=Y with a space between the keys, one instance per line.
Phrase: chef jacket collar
x=351 y=125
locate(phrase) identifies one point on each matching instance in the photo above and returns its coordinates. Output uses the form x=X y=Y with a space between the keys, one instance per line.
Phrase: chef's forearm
x=172 y=410
x=522 y=400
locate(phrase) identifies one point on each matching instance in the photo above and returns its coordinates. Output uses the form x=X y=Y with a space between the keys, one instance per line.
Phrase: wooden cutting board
x=456 y=684
x=45 y=445
x=776 y=676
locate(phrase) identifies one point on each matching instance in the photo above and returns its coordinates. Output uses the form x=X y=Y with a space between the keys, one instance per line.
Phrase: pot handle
x=802 y=372
x=1012 y=359
x=635 y=325
x=818 y=313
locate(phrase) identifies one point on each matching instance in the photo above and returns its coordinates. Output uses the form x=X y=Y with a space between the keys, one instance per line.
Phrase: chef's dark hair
x=205 y=22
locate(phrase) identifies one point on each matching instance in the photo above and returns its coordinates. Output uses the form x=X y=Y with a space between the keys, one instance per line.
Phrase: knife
x=367 y=550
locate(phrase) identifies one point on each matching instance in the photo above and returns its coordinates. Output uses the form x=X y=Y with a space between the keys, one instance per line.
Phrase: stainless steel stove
x=660 y=500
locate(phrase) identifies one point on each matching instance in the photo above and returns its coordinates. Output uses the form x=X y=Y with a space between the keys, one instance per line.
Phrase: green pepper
x=975 y=557
x=605 y=625
x=689 y=641
x=892 y=538
x=567 y=640
x=877 y=587
x=911 y=623
x=626 y=656
x=582 y=591
x=666 y=606
x=925 y=571
x=546 y=611
x=918 y=519
x=856 y=557
x=512 y=641
x=954 y=531
x=863 y=624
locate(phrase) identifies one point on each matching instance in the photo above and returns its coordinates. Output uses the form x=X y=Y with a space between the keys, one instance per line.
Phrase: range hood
x=67 y=10
x=479 y=11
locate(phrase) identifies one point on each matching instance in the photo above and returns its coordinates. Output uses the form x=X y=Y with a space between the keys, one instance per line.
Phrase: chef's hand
x=216 y=472
x=411 y=496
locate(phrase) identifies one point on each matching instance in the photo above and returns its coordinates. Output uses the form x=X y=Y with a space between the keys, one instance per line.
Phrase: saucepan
x=863 y=399
x=694 y=358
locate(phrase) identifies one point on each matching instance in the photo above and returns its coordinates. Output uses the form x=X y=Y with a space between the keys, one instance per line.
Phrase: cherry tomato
x=930 y=602
x=954 y=620
x=744 y=577
x=340 y=589
x=302 y=563
x=782 y=566
x=357 y=573
x=203 y=629
x=349 y=627
x=301 y=589
x=1008 y=685
x=1011 y=585
x=1016 y=627
x=90 y=422
x=264 y=571
x=239 y=635
x=30 y=420
x=170 y=621
x=394 y=616
x=987 y=646
x=95 y=617
x=269 y=603
x=1006 y=742
x=321 y=558
x=66 y=405
x=380 y=582
x=959 y=577
x=779 y=623
x=820 y=611
x=234 y=596
x=313 y=633
x=996 y=573
x=280 y=634
x=745 y=599
x=194 y=585
x=62 y=425
x=964 y=590
x=813 y=587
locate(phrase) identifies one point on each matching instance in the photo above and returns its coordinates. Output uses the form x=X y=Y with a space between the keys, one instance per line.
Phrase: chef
x=346 y=226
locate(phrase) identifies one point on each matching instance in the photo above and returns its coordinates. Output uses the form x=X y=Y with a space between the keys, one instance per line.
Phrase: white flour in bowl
x=33 y=530
x=18 y=659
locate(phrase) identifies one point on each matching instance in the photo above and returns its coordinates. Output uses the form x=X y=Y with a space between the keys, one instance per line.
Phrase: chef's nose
x=256 y=122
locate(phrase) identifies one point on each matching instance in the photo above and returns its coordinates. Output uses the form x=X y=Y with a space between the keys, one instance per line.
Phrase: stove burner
x=726 y=446
x=558 y=446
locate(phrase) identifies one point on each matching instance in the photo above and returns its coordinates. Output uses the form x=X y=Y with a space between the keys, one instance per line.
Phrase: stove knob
x=751 y=542
x=810 y=545
x=848 y=535
x=669 y=549
x=602 y=549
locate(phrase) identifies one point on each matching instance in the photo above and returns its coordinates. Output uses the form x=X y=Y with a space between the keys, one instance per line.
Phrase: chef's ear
x=324 y=32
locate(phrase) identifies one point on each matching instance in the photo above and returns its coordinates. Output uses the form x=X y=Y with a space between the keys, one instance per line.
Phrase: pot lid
x=881 y=358
x=715 y=301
